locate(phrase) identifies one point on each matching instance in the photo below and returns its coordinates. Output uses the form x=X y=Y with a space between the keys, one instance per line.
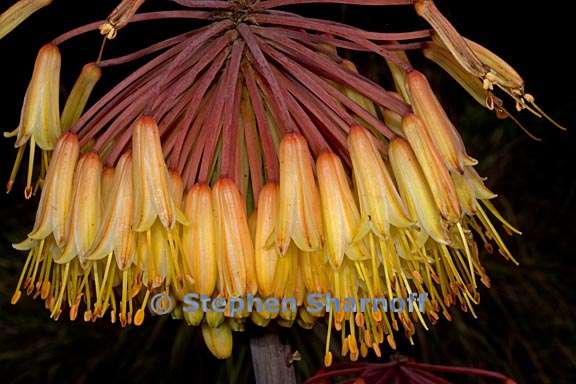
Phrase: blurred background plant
x=525 y=326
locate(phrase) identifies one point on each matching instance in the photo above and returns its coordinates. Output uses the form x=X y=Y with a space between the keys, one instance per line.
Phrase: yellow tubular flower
x=19 y=12
x=435 y=171
x=55 y=202
x=265 y=254
x=115 y=233
x=299 y=216
x=360 y=99
x=398 y=76
x=414 y=189
x=314 y=271
x=392 y=119
x=107 y=183
x=218 y=340
x=152 y=197
x=86 y=208
x=340 y=213
x=176 y=185
x=199 y=241
x=79 y=95
x=465 y=192
x=40 y=116
x=441 y=130
x=234 y=249
x=480 y=190
x=380 y=203
x=285 y=274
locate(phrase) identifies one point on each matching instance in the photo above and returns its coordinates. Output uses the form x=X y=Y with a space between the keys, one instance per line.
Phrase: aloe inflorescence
x=247 y=157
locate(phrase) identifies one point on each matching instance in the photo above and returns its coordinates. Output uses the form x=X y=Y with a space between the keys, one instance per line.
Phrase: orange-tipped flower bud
x=299 y=216
x=380 y=203
x=340 y=213
x=79 y=95
x=265 y=253
x=40 y=116
x=55 y=202
x=115 y=233
x=86 y=211
x=199 y=240
x=234 y=249
x=435 y=171
x=440 y=129
x=152 y=198
x=414 y=189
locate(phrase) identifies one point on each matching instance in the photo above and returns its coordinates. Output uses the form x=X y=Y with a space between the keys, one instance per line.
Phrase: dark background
x=526 y=320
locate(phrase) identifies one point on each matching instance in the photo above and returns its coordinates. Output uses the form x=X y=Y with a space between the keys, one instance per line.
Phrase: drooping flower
x=380 y=203
x=248 y=159
x=299 y=201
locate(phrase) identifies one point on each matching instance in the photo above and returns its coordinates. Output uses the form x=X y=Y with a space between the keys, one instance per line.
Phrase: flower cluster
x=249 y=158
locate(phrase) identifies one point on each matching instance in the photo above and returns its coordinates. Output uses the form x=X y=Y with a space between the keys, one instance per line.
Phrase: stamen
x=327 y=353
x=30 y=281
x=468 y=255
x=123 y=318
x=497 y=214
x=56 y=309
x=17 y=292
x=139 y=317
x=28 y=189
x=488 y=225
x=15 y=167
x=100 y=292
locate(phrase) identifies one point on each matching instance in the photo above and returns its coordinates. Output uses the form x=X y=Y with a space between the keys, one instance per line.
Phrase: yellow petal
x=299 y=216
x=86 y=211
x=465 y=191
x=480 y=190
x=152 y=192
x=380 y=203
x=340 y=213
x=199 y=240
x=115 y=233
x=265 y=254
x=314 y=271
x=440 y=129
x=435 y=171
x=415 y=190
x=234 y=247
x=55 y=201
x=176 y=185
x=40 y=115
